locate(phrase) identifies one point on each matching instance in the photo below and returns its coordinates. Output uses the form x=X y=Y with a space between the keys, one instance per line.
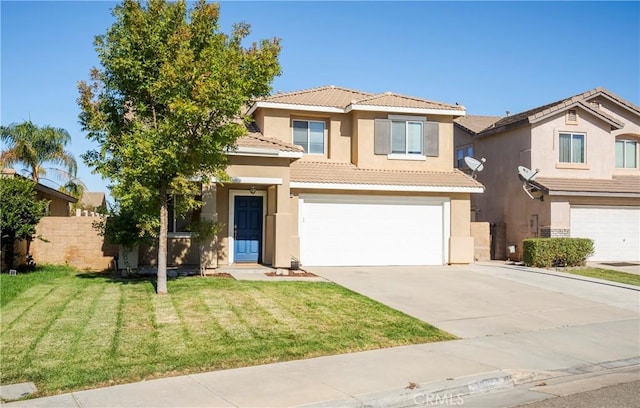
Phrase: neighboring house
x=333 y=176
x=588 y=185
x=58 y=202
x=92 y=202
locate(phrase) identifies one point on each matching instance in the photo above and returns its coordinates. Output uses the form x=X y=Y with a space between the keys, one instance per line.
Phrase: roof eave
x=399 y=109
x=58 y=194
x=533 y=119
x=292 y=106
x=263 y=152
x=386 y=187
x=593 y=194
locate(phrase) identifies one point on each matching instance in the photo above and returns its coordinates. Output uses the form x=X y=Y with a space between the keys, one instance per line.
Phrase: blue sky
x=488 y=56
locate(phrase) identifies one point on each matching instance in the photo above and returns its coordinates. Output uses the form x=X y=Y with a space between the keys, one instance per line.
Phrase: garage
x=614 y=230
x=353 y=230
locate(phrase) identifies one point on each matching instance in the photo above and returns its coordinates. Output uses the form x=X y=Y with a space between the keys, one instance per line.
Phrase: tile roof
x=476 y=123
x=255 y=139
x=342 y=98
x=389 y=99
x=617 y=185
x=347 y=173
x=535 y=114
x=93 y=199
x=332 y=96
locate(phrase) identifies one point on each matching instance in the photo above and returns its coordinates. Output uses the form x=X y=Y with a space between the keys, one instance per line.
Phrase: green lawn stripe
x=23 y=305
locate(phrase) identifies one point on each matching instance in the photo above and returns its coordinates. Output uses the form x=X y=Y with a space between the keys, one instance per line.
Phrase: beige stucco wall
x=277 y=123
x=363 y=148
x=57 y=206
x=480 y=231
x=349 y=138
x=73 y=241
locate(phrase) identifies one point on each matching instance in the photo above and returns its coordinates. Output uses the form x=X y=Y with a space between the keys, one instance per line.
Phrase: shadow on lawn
x=110 y=277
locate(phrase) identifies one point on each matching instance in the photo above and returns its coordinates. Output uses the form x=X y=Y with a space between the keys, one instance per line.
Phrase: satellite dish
x=475 y=165
x=528 y=176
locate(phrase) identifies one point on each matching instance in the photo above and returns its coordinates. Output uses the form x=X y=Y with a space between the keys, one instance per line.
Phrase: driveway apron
x=489 y=299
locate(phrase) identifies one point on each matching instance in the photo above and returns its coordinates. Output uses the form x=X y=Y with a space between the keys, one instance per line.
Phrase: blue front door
x=247 y=229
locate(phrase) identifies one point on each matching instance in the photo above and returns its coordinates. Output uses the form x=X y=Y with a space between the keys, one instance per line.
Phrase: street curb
x=448 y=392
x=451 y=392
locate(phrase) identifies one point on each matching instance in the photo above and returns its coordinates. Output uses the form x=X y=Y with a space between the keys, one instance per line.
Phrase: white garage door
x=615 y=231
x=372 y=230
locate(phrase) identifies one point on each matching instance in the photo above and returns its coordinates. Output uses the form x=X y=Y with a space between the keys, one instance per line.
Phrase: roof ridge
x=414 y=98
x=317 y=89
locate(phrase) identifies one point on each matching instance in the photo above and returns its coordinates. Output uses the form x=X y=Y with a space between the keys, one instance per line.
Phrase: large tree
x=35 y=147
x=20 y=212
x=166 y=104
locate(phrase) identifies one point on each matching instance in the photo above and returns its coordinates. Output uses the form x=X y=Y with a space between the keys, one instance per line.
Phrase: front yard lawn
x=606 y=274
x=66 y=330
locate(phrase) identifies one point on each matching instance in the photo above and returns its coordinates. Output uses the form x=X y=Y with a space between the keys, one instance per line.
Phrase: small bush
x=548 y=252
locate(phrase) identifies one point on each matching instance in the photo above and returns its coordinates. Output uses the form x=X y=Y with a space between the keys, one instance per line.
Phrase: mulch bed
x=292 y=274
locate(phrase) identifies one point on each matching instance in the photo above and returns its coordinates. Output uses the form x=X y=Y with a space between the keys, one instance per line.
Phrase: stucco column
x=461 y=242
x=282 y=228
x=209 y=212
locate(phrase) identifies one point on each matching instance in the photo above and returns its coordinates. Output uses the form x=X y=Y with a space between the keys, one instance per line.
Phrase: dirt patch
x=220 y=275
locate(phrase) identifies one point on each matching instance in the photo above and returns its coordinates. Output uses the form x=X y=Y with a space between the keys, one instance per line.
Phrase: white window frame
x=624 y=155
x=406 y=138
x=584 y=148
x=324 y=135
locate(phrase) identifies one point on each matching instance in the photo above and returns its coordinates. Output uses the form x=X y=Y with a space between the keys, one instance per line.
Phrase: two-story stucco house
x=585 y=149
x=333 y=176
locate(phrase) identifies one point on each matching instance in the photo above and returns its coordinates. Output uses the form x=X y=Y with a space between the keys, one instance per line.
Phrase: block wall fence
x=72 y=241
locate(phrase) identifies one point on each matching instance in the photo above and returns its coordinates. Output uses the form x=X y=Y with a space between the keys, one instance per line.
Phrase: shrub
x=548 y=252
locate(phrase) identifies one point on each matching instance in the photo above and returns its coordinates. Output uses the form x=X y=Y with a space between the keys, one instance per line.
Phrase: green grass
x=606 y=274
x=65 y=330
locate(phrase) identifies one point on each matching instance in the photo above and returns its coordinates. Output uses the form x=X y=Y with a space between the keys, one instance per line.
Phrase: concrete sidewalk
x=518 y=329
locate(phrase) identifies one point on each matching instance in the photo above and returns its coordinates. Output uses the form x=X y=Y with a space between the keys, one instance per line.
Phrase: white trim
x=382 y=187
x=261 y=152
x=400 y=156
x=446 y=229
x=592 y=194
x=372 y=108
x=255 y=180
x=230 y=239
x=397 y=109
x=292 y=106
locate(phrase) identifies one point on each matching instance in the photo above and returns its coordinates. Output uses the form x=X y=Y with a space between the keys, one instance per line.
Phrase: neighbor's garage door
x=371 y=230
x=614 y=230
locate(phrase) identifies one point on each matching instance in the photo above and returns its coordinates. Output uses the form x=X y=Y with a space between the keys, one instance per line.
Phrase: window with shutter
x=400 y=136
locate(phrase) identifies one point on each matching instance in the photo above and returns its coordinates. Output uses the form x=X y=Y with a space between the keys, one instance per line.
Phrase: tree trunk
x=9 y=244
x=162 y=241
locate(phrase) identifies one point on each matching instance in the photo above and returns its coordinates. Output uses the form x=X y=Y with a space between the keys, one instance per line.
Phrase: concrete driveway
x=487 y=299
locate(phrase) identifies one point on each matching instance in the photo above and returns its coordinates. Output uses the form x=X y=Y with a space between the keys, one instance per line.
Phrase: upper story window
x=571 y=147
x=406 y=137
x=309 y=134
x=461 y=153
x=626 y=154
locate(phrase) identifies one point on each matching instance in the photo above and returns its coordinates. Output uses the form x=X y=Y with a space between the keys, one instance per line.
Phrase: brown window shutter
x=431 y=139
x=382 y=136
